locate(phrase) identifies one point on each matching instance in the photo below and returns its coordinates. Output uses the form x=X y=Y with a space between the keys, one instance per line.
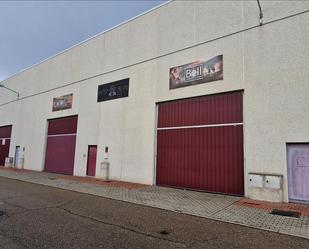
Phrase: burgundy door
x=92 y=159
x=60 y=147
x=5 y=140
x=200 y=143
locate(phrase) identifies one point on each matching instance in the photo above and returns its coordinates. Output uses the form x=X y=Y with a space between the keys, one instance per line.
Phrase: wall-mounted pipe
x=261 y=13
x=3 y=86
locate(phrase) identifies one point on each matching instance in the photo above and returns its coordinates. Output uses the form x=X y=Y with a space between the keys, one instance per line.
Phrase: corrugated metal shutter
x=200 y=143
x=5 y=131
x=60 y=147
x=67 y=125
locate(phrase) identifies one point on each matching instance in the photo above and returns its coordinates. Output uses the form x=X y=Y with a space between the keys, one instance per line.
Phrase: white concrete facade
x=270 y=63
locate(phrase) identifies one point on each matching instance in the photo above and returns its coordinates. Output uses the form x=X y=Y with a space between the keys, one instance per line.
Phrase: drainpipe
x=261 y=13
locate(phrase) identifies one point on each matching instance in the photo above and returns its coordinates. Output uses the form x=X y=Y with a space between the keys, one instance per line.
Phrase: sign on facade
x=197 y=72
x=63 y=102
x=114 y=90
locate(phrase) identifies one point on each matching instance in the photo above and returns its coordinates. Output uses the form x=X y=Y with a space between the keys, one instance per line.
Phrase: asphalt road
x=36 y=216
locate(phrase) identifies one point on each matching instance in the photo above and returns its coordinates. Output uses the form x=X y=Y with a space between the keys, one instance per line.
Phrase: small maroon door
x=5 y=139
x=92 y=159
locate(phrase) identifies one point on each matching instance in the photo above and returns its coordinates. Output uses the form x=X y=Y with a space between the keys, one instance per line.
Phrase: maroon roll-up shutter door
x=200 y=143
x=60 y=147
x=5 y=140
x=66 y=125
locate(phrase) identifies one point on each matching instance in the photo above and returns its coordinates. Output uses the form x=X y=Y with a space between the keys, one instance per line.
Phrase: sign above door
x=115 y=90
x=197 y=72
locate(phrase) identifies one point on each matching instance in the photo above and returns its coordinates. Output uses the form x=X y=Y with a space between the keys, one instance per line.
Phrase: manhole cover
x=1 y=213
x=285 y=213
x=164 y=232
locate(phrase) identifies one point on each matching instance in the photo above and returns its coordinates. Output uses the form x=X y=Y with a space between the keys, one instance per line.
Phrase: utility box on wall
x=273 y=182
x=265 y=187
x=104 y=170
x=9 y=162
x=255 y=181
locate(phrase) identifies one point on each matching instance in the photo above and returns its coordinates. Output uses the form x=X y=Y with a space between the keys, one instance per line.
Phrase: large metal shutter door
x=200 y=143
x=5 y=140
x=60 y=147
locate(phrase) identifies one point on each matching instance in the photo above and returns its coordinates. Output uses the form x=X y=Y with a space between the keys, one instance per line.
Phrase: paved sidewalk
x=218 y=207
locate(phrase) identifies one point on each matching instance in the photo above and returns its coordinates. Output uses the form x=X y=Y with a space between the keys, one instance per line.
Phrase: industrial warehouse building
x=192 y=94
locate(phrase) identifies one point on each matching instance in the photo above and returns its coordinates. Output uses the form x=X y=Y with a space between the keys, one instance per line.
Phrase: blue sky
x=31 y=31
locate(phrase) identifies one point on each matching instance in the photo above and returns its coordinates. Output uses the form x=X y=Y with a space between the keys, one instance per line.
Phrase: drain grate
x=285 y=213
x=164 y=232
